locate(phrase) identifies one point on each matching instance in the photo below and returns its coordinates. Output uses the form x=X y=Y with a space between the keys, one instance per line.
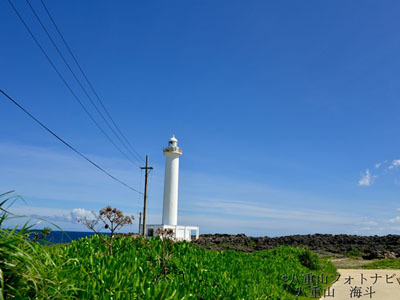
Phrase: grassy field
x=387 y=263
x=155 y=269
x=138 y=268
x=360 y=263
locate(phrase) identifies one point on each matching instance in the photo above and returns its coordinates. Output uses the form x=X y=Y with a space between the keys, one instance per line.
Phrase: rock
x=372 y=246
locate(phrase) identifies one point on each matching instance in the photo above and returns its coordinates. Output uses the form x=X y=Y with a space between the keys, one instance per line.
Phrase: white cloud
x=47 y=174
x=52 y=214
x=59 y=219
x=370 y=223
x=395 y=220
x=395 y=163
x=366 y=179
x=81 y=213
x=31 y=211
x=379 y=164
x=255 y=210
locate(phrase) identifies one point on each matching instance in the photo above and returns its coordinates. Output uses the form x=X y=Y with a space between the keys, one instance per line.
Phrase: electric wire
x=67 y=85
x=87 y=79
x=78 y=81
x=67 y=144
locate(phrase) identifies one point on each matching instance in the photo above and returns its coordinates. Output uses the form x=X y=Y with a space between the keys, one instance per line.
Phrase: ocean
x=57 y=237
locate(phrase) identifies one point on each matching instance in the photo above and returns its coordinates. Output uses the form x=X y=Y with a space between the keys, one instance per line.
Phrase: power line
x=87 y=79
x=79 y=82
x=68 y=86
x=66 y=144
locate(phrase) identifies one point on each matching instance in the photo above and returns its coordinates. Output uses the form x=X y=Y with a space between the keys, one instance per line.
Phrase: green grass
x=149 y=269
x=26 y=269
x=387 y=263
x=354 y=253
x=136 y=271
x=225 y=245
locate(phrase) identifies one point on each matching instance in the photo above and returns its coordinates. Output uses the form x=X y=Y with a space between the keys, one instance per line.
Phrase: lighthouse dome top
x=173 y=139
x=172 y=147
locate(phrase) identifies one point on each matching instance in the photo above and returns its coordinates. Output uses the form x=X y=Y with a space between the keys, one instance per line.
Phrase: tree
x=108 y=218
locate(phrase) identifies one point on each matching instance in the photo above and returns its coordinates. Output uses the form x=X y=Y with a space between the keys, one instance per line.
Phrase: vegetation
x=27 y=271
x=387 y=263
x=146 y=270
x=354 y=253
x=151 y=269
x=108 y=218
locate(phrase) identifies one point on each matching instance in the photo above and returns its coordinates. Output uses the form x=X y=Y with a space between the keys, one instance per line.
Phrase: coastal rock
x=369 y=247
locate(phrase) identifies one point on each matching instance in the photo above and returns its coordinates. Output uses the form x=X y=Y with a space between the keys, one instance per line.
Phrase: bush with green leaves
x=26 y=269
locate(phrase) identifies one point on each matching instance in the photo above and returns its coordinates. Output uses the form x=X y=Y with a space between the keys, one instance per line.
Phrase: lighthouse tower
x=170 y=203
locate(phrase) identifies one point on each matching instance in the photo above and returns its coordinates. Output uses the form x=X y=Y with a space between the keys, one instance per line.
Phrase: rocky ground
x=367 y=247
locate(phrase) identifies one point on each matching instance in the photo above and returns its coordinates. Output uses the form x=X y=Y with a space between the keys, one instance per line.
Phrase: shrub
x=26 y=270
x=309 y=259
x=108 y=218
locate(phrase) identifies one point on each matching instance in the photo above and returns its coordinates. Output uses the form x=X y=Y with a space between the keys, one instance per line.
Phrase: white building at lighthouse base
x=180 y=232
x=170 y=202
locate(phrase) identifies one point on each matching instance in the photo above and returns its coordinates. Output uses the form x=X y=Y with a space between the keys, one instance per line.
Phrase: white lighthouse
x=170 y=201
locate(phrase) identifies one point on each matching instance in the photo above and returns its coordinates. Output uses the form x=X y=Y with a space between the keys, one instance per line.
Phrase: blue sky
x=287 y=112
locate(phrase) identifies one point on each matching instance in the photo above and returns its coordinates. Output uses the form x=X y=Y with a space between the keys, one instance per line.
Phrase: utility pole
x=140 y=222
x=146 y=168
